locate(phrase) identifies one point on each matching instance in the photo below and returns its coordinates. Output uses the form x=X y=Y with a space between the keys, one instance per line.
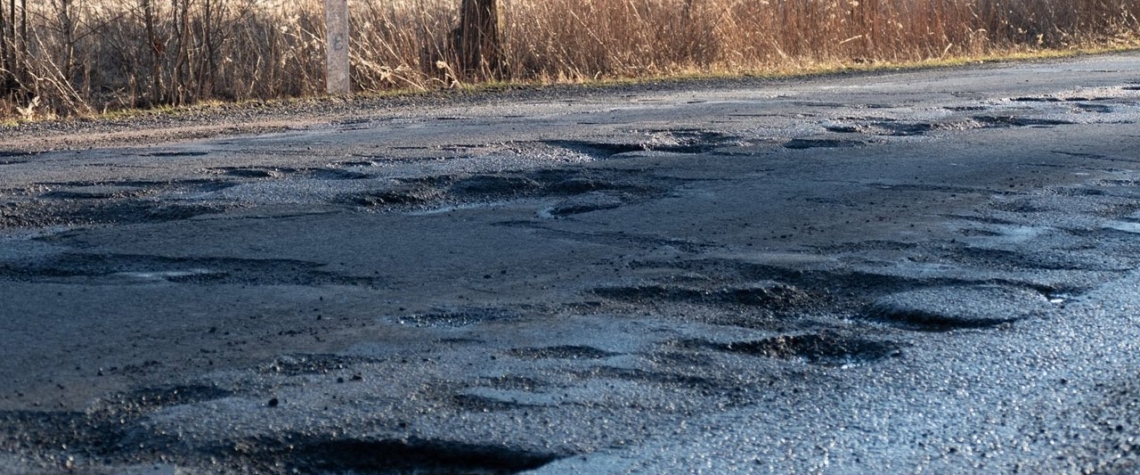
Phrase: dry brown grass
x=85 y=57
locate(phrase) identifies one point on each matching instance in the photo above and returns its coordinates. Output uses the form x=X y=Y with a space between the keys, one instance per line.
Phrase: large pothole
x=954 y=307
x=395 y=456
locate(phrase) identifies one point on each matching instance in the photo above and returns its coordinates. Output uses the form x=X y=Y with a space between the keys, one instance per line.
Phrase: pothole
x=572 y=352
x=905 y=129
x=588 y=190
x=457 y=317
x=396 y=197
x=1036 y=99
x=594 y=201
x=1015 y=121
x=185 y=270
x=956 y=307
x=681 y=141
x=405 y=456
x=803 y=144
x=843 y=129
x=665 y=378
x=82 y=212
x=825 y=349
x=175 y=154
x=251 y=172
x=494 y=185
x=149 y=399
x=95 y=192
x=598 y=149
x=767 y=294
x=294 y=365
x=1096 y=108
x=336 y=174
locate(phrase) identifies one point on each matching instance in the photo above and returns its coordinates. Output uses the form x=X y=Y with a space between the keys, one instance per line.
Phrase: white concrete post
x=336 y=28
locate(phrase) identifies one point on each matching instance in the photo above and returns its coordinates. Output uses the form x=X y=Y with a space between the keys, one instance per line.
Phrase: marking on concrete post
x=336 y=28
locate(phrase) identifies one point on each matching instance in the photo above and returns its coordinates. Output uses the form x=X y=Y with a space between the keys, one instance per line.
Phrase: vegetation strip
x=67 y=58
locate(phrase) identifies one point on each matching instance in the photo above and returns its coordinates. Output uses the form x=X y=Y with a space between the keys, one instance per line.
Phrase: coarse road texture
x=903 y=272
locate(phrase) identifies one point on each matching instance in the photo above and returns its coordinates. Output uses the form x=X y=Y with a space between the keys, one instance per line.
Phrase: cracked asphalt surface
x=927 y=271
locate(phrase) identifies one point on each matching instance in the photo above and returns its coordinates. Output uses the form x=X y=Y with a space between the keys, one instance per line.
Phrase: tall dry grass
x=89 y=56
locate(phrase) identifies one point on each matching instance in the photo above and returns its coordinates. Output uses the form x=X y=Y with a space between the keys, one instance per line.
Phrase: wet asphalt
x=929 y=271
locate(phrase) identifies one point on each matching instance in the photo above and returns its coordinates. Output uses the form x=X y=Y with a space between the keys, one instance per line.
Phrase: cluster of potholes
x=811 y=314
x=108 y=432
x=752 y=296
x=1105 y=105
x=574 y=191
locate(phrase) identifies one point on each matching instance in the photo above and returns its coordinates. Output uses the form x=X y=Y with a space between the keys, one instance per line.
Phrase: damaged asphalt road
x=929 y=271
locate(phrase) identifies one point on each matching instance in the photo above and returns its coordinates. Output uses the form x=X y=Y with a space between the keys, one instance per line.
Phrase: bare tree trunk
x=8 y=80
x=478 y=38
x=157 y=49
x=5 y=61
x=23 y=61
x=207 y=67
x=180 y=79
x=24 y=25
x=17 y=51
x=67 y=29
